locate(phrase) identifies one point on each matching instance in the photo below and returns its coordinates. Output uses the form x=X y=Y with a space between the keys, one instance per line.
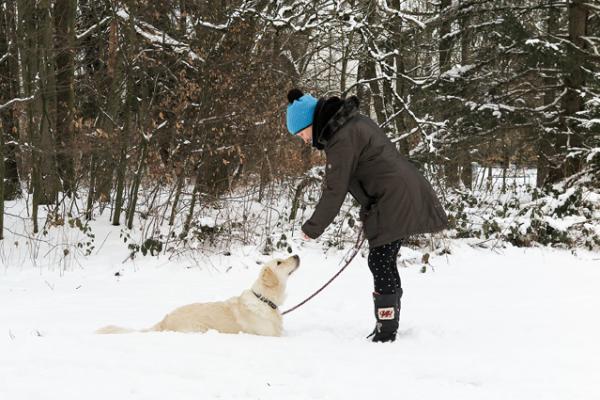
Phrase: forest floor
x=508 y=323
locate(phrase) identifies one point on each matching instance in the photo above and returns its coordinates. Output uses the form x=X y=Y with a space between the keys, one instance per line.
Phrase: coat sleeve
x=341 y=164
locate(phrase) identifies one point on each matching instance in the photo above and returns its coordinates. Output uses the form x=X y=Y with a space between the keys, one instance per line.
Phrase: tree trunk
x=65 y=73
x=466 y=174
x=105 y=158
x=135 y=187
x=122 y=165
x=573 y=102
x=298 y=195
x=376 y=95
x=545 y=149
x=466 y=59
x=182 y=18
x=397 y=44
x=6 y=125
x=127 y=116
x=180 y=181
x=452 y=172
x=91 y=195
x=265 y=175
x=9 y=89
x=50 y=183
x=505 y=167
x=188 y=221
x=371 y=68
x=345 y=59
x=571 y=135
x=454 y=157
x=28 y=70
x=362 y=89
x=445 y=43
x=27 y=26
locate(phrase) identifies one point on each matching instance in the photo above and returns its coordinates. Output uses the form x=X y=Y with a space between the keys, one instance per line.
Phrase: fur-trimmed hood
x=330 y=115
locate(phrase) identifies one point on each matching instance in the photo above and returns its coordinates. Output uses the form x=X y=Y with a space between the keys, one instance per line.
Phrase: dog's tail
x=111 y=329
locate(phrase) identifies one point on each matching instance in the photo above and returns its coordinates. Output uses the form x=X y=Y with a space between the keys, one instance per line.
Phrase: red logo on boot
x=385 y=313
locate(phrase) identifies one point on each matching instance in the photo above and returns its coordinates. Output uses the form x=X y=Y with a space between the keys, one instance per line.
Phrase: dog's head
x=273 y=278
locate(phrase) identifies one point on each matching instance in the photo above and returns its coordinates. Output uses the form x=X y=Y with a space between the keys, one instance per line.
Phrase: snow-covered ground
x=505 y=324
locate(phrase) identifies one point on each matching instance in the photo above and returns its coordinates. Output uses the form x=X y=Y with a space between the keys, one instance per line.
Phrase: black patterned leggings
x=382 y=263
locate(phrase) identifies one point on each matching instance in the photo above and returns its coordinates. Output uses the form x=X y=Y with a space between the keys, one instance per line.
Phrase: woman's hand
x=304 y=236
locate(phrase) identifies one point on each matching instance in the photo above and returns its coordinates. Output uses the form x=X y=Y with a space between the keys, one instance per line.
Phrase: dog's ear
x=269 y=278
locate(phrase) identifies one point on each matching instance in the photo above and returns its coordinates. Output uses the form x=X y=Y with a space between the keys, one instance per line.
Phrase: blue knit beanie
x=300 y=111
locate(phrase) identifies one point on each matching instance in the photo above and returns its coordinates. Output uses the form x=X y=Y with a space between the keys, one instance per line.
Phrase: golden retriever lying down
x=255 y=311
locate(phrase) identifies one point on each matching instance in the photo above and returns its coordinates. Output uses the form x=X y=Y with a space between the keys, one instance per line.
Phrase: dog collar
x=265 y=300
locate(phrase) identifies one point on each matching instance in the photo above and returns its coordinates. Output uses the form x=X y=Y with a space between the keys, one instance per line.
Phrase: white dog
x=255 y=311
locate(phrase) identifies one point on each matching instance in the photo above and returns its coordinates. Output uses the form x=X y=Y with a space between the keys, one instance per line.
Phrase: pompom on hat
x=300 y=111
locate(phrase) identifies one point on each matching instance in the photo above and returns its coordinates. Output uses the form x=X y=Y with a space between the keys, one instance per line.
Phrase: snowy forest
x=112 y=110
x=141 y=134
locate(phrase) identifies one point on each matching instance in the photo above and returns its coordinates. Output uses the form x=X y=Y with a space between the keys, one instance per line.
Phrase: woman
x=396 y=200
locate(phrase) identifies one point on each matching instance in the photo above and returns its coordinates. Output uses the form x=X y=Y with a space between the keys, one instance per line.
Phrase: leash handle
x=359 y=242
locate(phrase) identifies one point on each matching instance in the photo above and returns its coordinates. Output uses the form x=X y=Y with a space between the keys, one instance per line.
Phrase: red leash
x=359 y=242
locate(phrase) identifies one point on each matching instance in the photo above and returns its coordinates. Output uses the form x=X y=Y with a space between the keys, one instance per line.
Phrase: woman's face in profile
x=306 y=134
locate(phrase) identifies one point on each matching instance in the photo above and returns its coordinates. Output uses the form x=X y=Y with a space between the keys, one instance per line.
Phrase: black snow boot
x=387 y=313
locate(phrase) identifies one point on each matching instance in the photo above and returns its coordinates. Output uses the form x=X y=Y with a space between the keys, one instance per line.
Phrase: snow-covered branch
x=159 y=37
x=240 y=12
x=592 y=7
x=580 y=50
x=92 y=28
x=16 y=100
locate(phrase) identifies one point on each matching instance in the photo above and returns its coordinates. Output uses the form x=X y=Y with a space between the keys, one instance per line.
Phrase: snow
x=207 y=221
x=496 y=108
x=457 y=71
x=592 y=197
x=544 y=43
x=593 y=152
x=210 y=25
x=562 y=224
x=510 y=323
x=589 y=124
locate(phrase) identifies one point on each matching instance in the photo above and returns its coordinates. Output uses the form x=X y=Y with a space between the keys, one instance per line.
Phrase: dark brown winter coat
x=396 y=200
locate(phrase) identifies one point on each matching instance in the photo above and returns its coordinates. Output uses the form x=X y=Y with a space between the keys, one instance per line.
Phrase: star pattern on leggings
x=382 y=263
